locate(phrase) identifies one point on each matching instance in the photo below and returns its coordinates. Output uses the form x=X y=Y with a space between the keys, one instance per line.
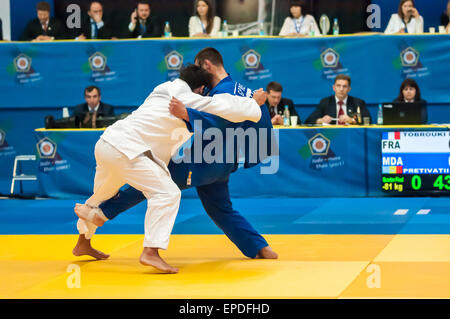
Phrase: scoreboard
x=416 y=162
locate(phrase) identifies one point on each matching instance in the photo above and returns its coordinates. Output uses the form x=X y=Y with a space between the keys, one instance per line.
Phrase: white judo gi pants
x=114 y=170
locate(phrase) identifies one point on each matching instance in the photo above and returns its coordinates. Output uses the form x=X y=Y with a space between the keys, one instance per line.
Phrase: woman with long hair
x=406 y=20
x=204 y=23
x=299 y=23
x=410 y=93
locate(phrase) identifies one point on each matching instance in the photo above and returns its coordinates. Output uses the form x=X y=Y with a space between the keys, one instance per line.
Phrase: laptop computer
x=401 y=113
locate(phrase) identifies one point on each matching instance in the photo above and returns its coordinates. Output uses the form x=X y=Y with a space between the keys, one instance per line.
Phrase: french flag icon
x=391 y=135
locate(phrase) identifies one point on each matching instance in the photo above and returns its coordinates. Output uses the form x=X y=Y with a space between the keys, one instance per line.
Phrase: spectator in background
x=87 y=113
x=410 y=93
x=204 y=23
x=43 y=28
x=299 y=23
x=445 y=18
x=93 y=27
x=407 y=20
x=341 y=107
x=276 y=103
x=1 y=30
x=142 y=25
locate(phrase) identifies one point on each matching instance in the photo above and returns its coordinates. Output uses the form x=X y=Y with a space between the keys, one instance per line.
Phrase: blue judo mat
x=423 y=215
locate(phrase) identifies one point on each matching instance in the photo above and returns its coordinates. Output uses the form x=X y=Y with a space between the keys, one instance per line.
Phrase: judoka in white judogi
x=121 y=160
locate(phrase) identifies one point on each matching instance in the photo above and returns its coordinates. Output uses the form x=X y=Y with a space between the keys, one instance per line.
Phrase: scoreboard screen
x=416 y=162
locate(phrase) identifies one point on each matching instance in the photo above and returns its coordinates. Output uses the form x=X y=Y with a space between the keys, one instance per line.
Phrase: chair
x=21 y=177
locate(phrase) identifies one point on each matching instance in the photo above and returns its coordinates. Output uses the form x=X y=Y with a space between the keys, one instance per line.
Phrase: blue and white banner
x=56 y=73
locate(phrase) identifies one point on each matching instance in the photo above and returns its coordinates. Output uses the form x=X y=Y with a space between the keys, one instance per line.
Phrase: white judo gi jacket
x=150 y=127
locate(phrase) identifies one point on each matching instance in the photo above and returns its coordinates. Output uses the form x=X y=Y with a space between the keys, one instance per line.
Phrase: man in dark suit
x=142 y=25
x=94 y=26
x=276 y=103
x=340 y=107
x=43 y=28
x=87 y=113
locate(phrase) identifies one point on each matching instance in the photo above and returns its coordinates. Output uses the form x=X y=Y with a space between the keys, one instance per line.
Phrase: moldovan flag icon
x=395 y=169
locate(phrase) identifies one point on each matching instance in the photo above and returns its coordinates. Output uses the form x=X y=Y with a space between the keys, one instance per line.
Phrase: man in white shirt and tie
x=93 y=107
x=137 y=150
x=340 y=108
x=44 y=27
x=142 y=25
x=95 y=27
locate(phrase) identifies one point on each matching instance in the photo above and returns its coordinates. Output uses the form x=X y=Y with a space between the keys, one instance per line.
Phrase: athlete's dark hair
x=195 y=76
x=210 y=54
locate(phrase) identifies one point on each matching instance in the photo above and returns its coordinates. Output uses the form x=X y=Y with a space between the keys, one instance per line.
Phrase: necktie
x=341 y=112
x=143 y=28
x=94 y=30
x=94 y=119
x=272 y=111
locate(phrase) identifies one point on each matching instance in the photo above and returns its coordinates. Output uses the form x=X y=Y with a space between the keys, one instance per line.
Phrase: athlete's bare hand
x=178 y=109
x=260 y=96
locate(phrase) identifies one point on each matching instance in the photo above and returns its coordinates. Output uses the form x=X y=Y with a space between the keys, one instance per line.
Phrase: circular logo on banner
x=330 y=58
x=251 y=59
x=22 y=63
x=46 y=148
x=409 y=57
x=97 y=61
x=174 y=60
x=319 y=145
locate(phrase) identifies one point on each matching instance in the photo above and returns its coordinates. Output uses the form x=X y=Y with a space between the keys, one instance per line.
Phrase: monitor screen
x=415 y=162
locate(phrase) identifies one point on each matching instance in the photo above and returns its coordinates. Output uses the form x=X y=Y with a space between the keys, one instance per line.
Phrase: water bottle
x=358 y=116
x=380 y=115
x=335 y=27
x=224 y=29
x=261 y=28
x=324 y=24
x=312 y=31
x=65 y=112
x=167 y=32
x=286 y=116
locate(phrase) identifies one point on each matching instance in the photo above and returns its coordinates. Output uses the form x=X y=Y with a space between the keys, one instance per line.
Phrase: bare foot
x=266 y=253
x=150 y=257
x=91 y=214
x=84 y=247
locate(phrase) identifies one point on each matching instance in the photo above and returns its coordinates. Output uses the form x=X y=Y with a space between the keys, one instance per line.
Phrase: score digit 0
x=416 y=182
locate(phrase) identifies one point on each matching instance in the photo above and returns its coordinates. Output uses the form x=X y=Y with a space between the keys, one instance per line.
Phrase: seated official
x=299 y=24
x=87 y=113
x=445 y=18
x=43 y=28
x=410 y=93
x=142 y=25
x=276 y=103
x=339 y=108
x=204 y=23
x=94 y=26
x=407 y=20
